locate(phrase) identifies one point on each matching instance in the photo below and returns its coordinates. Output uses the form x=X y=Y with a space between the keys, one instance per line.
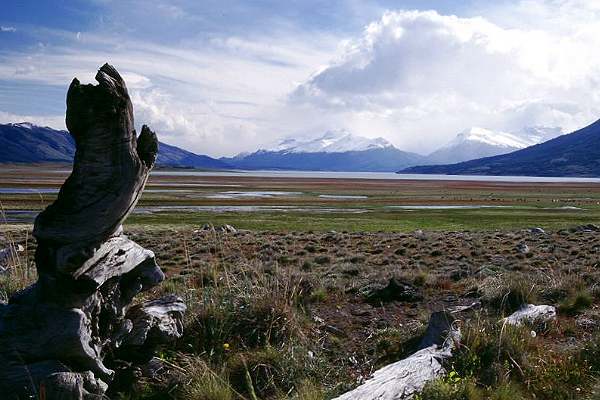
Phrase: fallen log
x=405 y=378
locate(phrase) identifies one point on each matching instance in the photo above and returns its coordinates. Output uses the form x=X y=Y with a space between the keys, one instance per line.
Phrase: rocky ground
x=311 y=315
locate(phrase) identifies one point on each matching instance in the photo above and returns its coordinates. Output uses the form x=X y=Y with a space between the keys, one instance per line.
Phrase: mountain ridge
x=373 y=160
x=573 y=154
x=479 y=142
x=335 y=150
x=25 y=142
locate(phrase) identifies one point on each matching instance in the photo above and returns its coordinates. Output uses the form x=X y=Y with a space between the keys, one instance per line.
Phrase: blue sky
x=221 y=77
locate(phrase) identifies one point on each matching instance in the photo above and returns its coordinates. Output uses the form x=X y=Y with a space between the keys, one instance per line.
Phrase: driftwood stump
x=70 y=334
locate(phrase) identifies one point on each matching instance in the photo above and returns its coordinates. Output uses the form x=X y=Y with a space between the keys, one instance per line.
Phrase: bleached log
x=405 y=378
x=531 y=314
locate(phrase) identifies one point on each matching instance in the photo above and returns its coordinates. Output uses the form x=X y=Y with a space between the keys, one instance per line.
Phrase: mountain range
x=28 y=143
x=575 y=154
x=343 y=151
x=333 y=151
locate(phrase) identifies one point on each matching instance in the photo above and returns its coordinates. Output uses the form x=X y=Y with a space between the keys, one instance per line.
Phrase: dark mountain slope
x=27 y=143
x=575 y=154
x=176 y=157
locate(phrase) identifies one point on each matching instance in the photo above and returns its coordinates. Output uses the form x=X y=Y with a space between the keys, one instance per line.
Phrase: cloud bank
x=224 y=82
x=420 y=77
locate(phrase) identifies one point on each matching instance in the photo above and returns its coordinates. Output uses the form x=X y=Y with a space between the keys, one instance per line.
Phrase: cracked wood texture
x=75 y=331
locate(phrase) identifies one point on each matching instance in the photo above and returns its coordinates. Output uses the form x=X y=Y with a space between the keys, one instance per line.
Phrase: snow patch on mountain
x=338 y=141
x=540 y=134
x=491 y=138
x=24 y=125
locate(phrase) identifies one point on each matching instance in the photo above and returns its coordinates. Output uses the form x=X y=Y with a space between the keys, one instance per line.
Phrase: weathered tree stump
x=61 y=337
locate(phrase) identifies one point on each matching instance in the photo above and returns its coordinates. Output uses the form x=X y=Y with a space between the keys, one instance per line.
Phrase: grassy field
x=354 y=205
x=385 y=221
x=282 y=307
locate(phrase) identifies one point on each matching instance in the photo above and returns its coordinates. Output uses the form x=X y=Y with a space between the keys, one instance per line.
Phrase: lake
x=373 y=175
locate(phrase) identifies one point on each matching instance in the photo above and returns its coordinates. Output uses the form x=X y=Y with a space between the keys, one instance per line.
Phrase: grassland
x=354 y=205
x=280 y=308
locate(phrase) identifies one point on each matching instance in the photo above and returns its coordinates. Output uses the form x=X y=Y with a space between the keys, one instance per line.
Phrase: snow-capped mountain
x=479 y=142
x=340 y=150
x=23 y=125
x=492 y=138
x=540 y=134
x=574 y=154
x=338 y=141
x=337 y=150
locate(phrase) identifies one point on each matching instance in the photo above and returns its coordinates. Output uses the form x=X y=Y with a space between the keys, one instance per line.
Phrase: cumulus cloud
x=416 y=78
x=422 y=77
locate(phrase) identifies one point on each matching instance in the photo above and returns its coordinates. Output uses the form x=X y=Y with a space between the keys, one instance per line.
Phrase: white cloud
x=414 y=77
x=420 y=77
x=216 y=98
x=7 y=29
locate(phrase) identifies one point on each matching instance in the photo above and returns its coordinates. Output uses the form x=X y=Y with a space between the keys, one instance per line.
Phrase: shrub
x=506 y=391
x=267 y=372
x=322 y=260
x=450 y=389
x=308 y=390
x=201 y=383
x=318 y=295
x=509 y=294
x=491 y=352
x=575 y=303
x=246 y=315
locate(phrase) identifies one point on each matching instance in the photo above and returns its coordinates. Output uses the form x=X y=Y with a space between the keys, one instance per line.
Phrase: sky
x=229 y=76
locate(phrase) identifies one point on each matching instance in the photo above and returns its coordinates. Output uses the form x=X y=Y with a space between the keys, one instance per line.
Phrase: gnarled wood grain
x=60 y=338
x=110 y=169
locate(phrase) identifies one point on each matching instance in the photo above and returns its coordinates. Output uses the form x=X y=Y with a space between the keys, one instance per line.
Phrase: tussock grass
x=495 y=361
x=20 y=270
x=508 y=293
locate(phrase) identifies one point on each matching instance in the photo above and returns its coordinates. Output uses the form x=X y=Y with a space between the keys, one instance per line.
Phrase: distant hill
x=575 y=154
x=176 y=157
x=477 y=143
x=28 y=143
x=333 y=151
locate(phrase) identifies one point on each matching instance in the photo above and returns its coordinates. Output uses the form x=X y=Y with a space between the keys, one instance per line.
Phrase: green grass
x=373 y=221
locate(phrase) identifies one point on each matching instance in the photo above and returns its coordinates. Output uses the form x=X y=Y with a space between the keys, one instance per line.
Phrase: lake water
x=373 y=175
x=342 y=197
x=252 y=194
x=22 y=190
